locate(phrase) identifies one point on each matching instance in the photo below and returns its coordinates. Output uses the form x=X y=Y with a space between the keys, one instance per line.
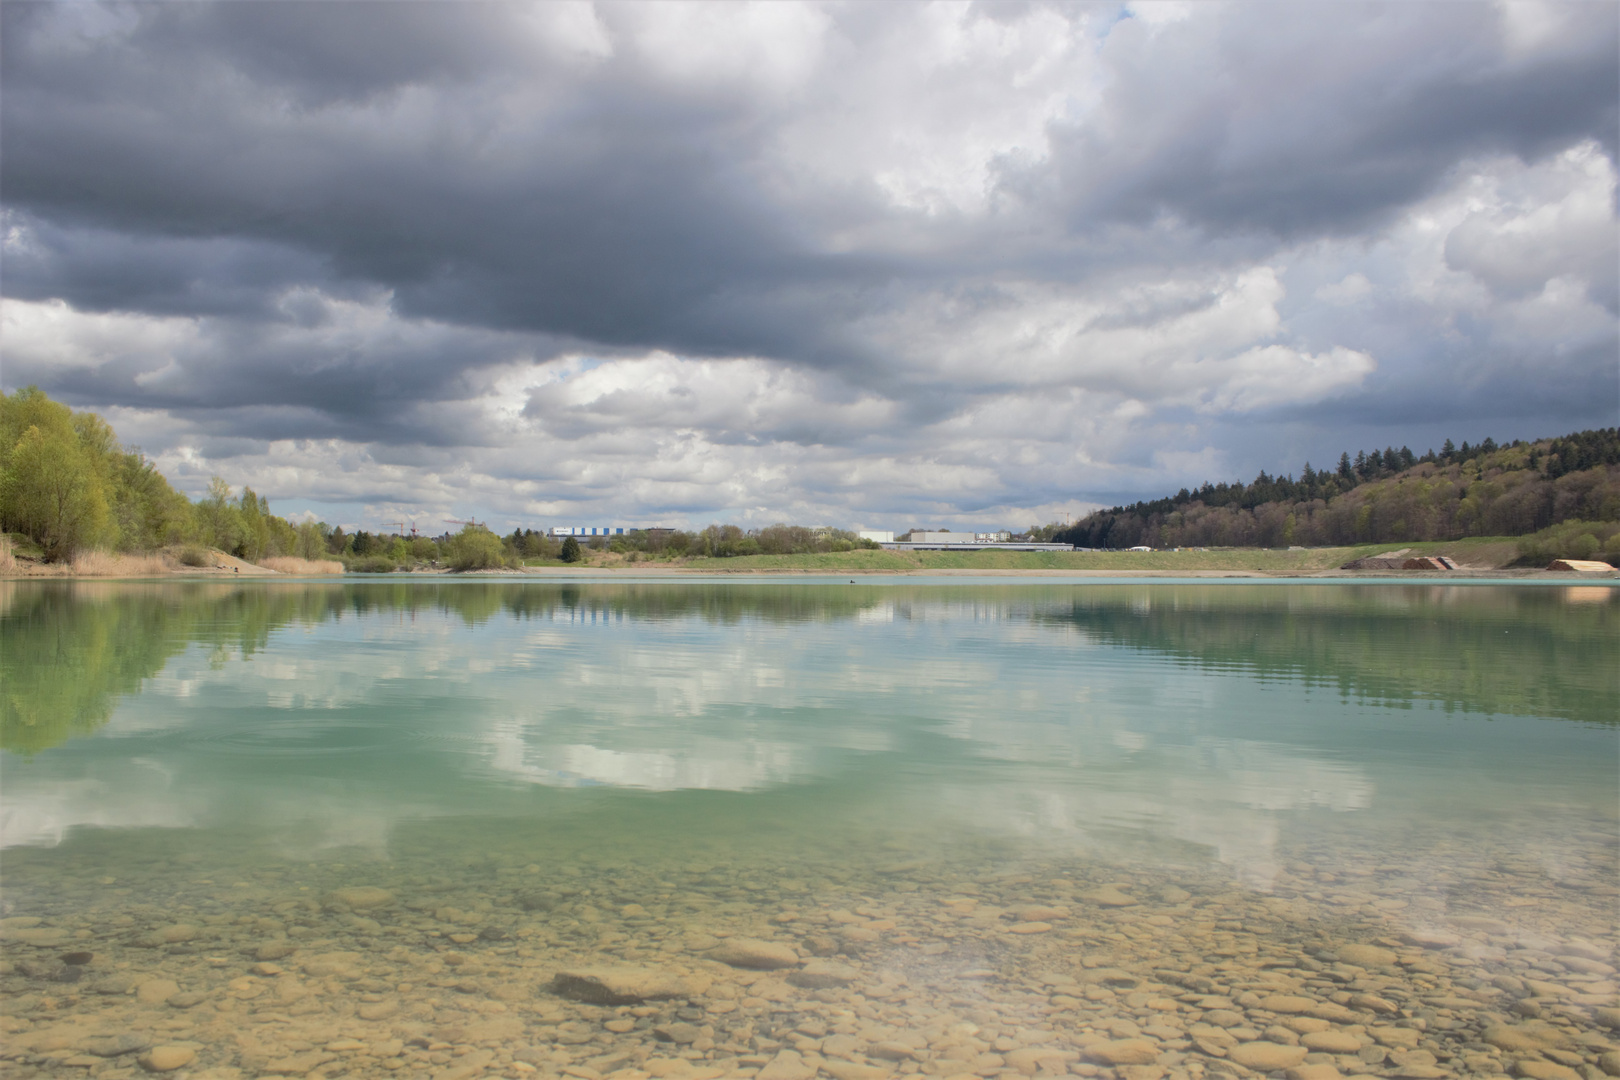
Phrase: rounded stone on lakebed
x=823 y=975
x=1266 y=1056
x=1305 y=1025
x=849 y=1070
x=1521 y=1038
x=1331 y=1042
x=754 y=953
x=361 y=897
x=1366 y=955
x=1322 y=1071
x=619 y=986
x=787 y=1065
x=1288 y=1003
x=168 y=1058
x=1398 y=1038
x=174 y=934
x=1125 y=1052
x=156 y=991
x=1536 y=1069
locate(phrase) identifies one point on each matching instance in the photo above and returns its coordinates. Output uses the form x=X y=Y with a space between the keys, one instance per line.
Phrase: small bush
x=195 y=556
x=475 y=548
x=373 y=564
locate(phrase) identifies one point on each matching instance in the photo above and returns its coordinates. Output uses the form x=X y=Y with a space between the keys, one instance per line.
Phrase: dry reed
x=288 y=564
x=111 y=564
x=8 y=561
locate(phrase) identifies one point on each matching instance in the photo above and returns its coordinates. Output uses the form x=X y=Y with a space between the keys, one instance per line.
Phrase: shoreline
x=258 y=573
x=1479 y=559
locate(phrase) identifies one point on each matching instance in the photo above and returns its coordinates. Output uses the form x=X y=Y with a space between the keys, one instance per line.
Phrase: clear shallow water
x=1209 y=792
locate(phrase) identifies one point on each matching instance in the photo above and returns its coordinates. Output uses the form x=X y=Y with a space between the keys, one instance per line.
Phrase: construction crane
x=474 y=522
x=399 y=527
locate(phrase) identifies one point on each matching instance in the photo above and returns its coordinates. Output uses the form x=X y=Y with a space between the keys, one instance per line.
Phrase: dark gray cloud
x=1307 y=119
x=915 y=238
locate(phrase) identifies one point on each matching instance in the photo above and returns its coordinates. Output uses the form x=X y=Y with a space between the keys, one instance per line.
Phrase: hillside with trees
x=67 y=486
x=1389 y=496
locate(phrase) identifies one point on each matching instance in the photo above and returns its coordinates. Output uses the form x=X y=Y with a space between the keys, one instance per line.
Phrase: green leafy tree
x=219 y=520
x=71 y=485
x=475 y=548
x=570 y=550
x=52 y=492
x=254 y=541
x=147 y=512
x=309 y=543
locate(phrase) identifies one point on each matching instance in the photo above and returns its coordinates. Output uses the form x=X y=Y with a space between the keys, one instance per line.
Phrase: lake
x=777 y=828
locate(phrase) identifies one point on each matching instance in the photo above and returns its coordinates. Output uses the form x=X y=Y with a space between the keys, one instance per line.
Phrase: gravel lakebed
x=843 y=961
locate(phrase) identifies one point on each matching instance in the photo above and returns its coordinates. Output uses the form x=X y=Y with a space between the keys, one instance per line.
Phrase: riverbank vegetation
x=74 y=501
x=1484 y=553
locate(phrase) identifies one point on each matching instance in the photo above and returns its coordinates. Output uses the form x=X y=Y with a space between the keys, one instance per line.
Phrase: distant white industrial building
x=581 y=530
x=926 y=536
x=877 y=536
x=945 y=540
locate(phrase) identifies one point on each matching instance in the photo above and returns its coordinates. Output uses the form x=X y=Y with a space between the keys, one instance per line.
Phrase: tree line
x=713 y=542
x=67 y=485
x=1383 y=496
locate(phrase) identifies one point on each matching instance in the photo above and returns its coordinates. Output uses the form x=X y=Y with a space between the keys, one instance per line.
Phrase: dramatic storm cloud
x=862 y=264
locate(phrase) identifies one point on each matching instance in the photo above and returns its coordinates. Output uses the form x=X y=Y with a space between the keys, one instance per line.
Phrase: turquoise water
x=540 y=777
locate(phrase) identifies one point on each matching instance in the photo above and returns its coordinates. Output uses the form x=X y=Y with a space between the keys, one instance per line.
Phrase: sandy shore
x=1350 y=575
x=237 y=569
x=227 y=566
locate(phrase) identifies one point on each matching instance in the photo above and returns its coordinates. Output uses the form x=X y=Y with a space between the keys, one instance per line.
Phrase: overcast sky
x=864 y=264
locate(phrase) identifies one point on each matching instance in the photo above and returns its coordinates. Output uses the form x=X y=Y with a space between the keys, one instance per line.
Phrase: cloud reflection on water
x=1030 y=714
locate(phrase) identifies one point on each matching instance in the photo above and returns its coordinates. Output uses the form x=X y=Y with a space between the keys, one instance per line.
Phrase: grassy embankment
x=1478 y=552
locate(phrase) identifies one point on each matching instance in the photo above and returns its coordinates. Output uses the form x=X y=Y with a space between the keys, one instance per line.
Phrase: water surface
x=1220 y=818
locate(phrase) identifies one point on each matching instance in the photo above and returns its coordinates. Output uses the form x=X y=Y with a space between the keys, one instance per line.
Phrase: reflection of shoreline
x=69 y=649
x=1497 y=653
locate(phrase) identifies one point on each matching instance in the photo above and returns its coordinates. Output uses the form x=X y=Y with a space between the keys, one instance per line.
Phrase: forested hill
x=1382 y=496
